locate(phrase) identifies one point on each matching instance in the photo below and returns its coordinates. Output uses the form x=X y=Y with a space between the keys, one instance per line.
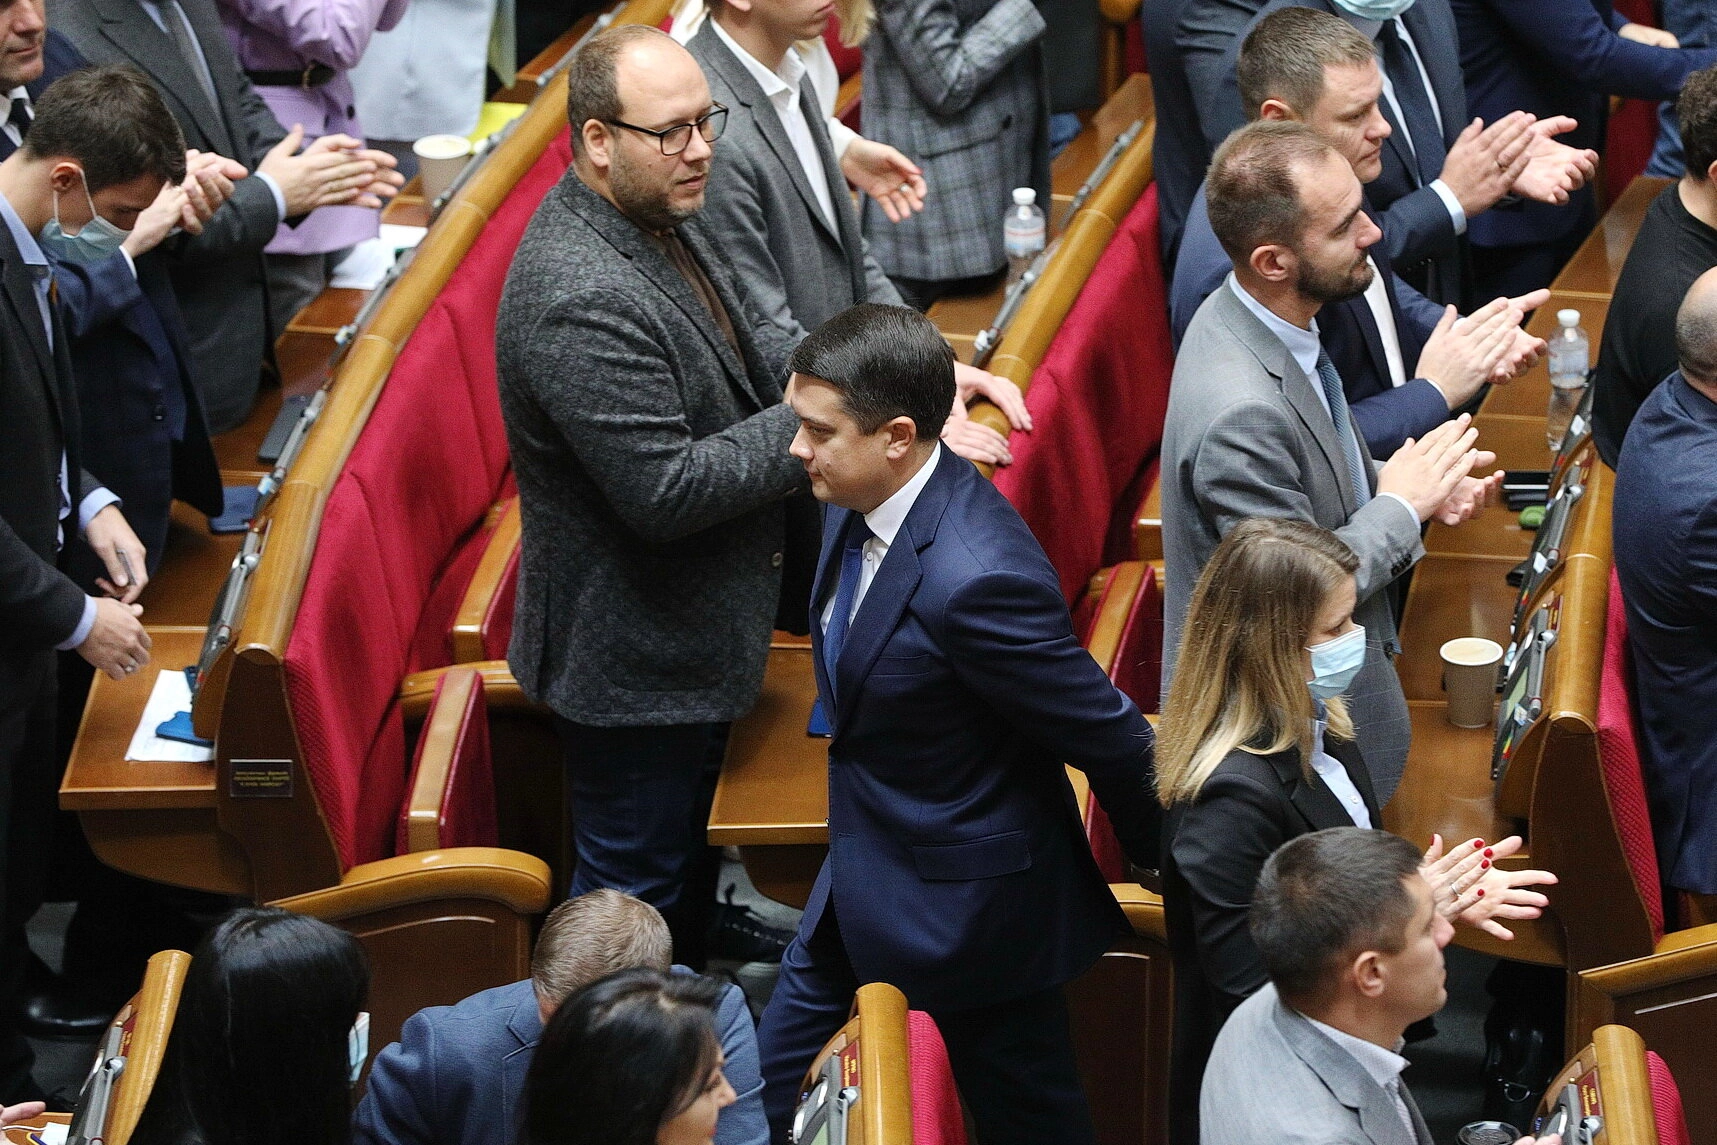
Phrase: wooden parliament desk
x=961 y=318
x=1595 y=266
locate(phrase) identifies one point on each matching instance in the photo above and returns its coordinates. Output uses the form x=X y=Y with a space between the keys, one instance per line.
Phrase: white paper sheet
x=172 y=693
x=371 y=259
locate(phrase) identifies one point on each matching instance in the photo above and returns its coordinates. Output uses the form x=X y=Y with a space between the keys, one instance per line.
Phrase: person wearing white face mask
x=1269 y=755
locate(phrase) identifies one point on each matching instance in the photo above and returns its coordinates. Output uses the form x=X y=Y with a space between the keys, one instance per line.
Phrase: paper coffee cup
x=440 y=158
x=1469 y=678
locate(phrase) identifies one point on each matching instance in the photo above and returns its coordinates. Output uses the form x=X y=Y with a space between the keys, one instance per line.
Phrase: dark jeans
x=639 y=801
x=1013 y=1061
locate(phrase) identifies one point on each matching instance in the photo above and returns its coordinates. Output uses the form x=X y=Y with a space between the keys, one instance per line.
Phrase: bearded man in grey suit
x=778 y=203
x=1353 y=936
x=642 y=397
x=1257 y=425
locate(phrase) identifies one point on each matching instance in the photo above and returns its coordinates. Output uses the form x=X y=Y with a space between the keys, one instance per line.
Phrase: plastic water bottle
x=1023 y=232
x=1570 y=358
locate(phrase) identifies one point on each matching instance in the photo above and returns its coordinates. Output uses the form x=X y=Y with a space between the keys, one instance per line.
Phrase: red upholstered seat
x=1666 y=1103
x=400 y=535
x=1618 y=750
x=936 y=1118
x=847 y=60
x=1097 y=401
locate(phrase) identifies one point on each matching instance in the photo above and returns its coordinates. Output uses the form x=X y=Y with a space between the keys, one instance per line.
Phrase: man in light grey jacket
x=642 y=398
x=1353 y=939
x=1257 y=424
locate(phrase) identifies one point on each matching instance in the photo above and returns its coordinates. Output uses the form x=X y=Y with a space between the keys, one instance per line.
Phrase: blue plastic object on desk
x=179 y=730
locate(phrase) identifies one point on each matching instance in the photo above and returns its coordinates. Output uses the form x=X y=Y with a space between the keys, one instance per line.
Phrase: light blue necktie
x=1344 y=428
x=852 y=562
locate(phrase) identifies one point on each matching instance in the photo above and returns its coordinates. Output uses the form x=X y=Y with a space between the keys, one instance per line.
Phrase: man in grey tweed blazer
x=778 y=205
x=1251 y=431
x=642 y=398
x=959 y=86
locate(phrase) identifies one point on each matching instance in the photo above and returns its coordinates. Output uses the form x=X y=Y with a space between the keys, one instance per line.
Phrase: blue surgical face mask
x=358 y=1045
x=1379 y=10
x=96 y=241
x=1336 y=662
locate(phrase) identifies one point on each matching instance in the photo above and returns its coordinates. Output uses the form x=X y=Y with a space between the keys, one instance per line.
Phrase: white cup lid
x=442 y=147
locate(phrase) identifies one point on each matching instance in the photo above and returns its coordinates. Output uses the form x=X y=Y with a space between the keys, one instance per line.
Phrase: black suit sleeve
x=39 y=605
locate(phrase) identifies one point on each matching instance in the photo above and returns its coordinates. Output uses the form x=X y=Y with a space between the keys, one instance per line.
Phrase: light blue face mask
x=1336 y=662
x=96 y=241
x=358 y=1045
x=1379 y=10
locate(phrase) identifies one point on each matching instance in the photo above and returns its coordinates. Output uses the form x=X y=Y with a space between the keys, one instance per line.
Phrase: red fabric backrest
x=847 y=60
x=1097 y=403
x=397 y=534
x=1137 y=670
x=1666 y=1103
x=936 y=1118
x=468 y=816
x=1618 y=752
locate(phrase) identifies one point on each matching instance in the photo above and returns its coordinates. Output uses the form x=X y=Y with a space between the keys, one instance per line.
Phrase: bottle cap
x=1025 y=197
x=1568 y=317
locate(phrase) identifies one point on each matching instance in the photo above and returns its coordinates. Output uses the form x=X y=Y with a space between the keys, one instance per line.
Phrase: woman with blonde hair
x=1255 y=747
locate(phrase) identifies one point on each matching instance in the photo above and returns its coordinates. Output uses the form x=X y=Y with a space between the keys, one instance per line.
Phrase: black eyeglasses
x=677 y=138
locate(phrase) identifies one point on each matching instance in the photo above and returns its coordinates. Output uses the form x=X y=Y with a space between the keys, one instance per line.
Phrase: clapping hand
x=1469 y=887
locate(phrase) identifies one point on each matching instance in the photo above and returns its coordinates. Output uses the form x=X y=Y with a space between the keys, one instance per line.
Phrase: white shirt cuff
x=129 y=264
x=1405 y=504
x=280 y=196
x=840 y=137
x=98 y=499
x=81 y=632
x=1456 y=214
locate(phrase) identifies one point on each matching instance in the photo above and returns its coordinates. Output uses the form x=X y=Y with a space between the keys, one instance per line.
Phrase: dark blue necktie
x=1415 y=104
x=19 y=117
x=1344 y=429
x=852 y=564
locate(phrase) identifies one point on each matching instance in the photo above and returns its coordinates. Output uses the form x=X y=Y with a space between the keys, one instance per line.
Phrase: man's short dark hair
x=113 y=122
x=1696 y=109
x=1325 y=897
x=887 y=361
x=1286 y=55
x=1252 y=193
x=592 y=87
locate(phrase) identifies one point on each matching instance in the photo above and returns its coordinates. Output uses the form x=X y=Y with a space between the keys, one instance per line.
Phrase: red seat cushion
x=401 y=528
x=1666 y=1103
x=1618 y=751
x=936 y=1118
x=1097 y=401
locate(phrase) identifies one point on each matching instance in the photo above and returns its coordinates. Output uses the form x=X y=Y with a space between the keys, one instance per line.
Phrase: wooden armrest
x=852 y=89
x=516 y=880
x=494 y=574
x=1148 y=524
x=1143 y=909
x=1104 y=642
x=1119 y=11
x=501 y=691
x=157 y=1004
x=452 y=796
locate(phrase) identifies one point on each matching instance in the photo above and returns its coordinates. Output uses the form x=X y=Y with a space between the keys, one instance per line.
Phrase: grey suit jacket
x=958 y=85
x=652 y=466
x=1276 y=1079
x=800 y=271
x=217 y=275
x=1247 y=435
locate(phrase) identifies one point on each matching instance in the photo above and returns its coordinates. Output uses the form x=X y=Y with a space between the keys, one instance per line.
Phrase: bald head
x=1696 y=332
x=623 y=70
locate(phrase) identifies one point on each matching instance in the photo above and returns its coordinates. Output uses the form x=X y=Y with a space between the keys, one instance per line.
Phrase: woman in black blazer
x=1255 y=747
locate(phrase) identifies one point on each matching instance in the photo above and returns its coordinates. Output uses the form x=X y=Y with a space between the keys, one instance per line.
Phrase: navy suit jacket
x=144 y=435
x=1386 y=414
x=958 y=866
x=1416 y=223
x=1665 y=525
x=457 y=1074
x=1557 y=57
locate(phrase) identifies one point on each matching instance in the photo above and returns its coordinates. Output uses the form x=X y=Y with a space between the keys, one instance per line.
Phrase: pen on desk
x=125 y=564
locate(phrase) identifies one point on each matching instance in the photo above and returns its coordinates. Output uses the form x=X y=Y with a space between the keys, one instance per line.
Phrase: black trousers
x=28 y=792
x=1013 y=1061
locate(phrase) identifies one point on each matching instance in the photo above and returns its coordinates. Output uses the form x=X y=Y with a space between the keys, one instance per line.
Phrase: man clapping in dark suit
x=956 y=689
x=642 y=397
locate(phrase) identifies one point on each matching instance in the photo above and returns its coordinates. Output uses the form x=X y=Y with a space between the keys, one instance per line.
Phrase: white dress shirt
x=782 y=88
x=1383 y=1066
x=1335 y=777
x=1377 y=301
x=884 y=522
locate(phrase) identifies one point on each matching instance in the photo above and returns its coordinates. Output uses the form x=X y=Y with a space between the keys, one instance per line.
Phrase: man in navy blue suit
x=457 y=1074
x=1403 y=365
x=1665 y=523
x=956 y=690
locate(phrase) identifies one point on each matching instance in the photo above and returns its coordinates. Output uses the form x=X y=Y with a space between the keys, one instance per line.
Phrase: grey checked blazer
x=1247 y=436
x=799 y=270
x=217 y=275
x=958 y=86
x=652 y=466
x=1276 y=1079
